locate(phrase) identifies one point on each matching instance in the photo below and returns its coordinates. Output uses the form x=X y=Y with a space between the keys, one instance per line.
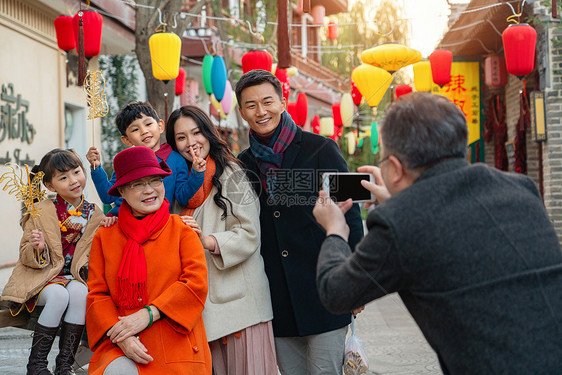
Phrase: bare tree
x=147 y=20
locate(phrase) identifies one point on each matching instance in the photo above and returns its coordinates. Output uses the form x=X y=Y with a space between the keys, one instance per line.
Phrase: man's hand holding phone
x=330 y=215
x=377 y=188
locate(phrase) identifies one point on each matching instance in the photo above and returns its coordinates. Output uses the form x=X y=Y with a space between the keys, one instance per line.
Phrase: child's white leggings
x=57 y=299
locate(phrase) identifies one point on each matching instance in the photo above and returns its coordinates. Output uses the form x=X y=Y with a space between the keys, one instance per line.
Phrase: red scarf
x=203 y=192
x=131 y=279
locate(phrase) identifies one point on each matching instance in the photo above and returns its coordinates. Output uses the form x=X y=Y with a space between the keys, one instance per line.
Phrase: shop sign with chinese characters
x=14 y=124
x=464 y=91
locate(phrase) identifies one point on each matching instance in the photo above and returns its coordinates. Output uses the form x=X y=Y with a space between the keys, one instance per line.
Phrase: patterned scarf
x=131 y=278
x=270 y=157
x=203 y=192
x=72 y=221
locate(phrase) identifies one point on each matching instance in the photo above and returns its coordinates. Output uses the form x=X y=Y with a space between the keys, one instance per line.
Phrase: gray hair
x=422 y=129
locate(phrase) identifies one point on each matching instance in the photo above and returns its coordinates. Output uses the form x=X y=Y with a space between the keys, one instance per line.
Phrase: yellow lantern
x=422 y=76
x=346 y=109
x=372 y=82
x=292 y=71
x=165 y=49
x=215 y=103
x=390 y=56
x=327 y=126
x=350 y=143
x=273 y=68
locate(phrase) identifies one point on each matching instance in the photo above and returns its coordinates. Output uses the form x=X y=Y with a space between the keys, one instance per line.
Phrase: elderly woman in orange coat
x=147 y=281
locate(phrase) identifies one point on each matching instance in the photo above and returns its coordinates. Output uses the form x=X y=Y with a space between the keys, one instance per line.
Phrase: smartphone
x=341 y=186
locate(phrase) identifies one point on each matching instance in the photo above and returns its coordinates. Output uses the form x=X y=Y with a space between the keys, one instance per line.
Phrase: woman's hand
x=37 y=240
x=108 y=221
x=135 y=350
x=207 y=241
x=198 y=164
x=128 y=326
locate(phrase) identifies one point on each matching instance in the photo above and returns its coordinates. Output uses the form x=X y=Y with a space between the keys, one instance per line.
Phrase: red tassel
x=81 y=56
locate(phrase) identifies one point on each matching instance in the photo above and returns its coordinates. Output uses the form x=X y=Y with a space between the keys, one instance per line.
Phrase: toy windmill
x=94 y=86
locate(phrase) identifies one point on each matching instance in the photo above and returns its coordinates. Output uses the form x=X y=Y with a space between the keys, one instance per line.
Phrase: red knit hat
x=134 y=163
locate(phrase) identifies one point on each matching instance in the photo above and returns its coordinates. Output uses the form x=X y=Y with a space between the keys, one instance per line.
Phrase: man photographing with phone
x=470 y=249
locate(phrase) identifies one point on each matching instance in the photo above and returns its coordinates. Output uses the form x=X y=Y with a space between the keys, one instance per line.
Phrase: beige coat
x=238 y=287
x=28 y=276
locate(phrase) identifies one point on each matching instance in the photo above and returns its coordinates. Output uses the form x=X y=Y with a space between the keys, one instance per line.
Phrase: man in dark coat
x=469 y=249
x=285 y=166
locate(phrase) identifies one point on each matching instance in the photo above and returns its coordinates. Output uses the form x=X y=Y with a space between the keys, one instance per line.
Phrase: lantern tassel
x=81 y=54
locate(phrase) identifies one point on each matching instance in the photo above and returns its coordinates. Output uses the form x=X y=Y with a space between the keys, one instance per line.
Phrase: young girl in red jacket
x=52 y=267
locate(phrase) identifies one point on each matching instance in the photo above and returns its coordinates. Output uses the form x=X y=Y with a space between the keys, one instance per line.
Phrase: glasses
x=383 y=160
x=139 y=186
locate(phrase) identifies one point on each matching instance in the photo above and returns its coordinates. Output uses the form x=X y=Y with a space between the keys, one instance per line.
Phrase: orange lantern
x=495 y=72
x=441 y=61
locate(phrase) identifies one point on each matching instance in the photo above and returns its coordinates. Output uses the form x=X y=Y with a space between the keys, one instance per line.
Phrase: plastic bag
x=355 y=360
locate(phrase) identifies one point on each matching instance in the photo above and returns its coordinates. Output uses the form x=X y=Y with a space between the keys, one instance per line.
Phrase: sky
x=428 y=20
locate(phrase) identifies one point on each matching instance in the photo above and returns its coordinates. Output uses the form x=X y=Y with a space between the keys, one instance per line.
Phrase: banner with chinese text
x=464 y=91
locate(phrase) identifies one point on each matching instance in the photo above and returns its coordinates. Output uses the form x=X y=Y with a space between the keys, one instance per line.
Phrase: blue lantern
x=218 y=77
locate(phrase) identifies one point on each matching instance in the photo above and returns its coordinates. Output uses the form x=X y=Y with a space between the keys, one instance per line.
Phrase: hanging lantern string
x=517 y=14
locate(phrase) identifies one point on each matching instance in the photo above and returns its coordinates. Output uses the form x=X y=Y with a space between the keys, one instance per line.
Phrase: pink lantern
x=495 y=72
x=189 y=95
x=226 y=102
x=318 y=14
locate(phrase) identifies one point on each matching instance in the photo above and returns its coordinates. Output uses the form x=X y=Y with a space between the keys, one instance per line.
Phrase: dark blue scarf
x=270 y=157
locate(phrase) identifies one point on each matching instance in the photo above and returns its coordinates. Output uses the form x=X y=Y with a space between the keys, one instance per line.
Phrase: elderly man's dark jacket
x=291 y=237
x=477 y=262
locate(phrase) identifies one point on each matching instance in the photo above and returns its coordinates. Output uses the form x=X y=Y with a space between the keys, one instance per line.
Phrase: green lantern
x=374 y=138
x=207 y=67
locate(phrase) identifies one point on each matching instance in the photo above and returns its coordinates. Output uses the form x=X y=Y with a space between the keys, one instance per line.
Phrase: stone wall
x=551 y=31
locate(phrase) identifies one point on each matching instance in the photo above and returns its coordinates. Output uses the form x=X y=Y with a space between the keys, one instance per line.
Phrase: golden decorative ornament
x=96 y=97
x=28 y=192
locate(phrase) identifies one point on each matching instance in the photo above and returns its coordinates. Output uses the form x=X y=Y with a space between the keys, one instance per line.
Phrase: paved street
x=392 y=340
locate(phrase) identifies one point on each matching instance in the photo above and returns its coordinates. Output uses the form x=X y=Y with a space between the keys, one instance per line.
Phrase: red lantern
x=292 y=109
x=256 y=59
x=337 y=114
x=301 y=109
x=355 y=94
x=402 y=90
x=495 y=73
x=92 y=26
x=441 y=61
x=65 y=33
x=332 y=30
x=180 y=82
x=283 y=77
x=315 y=124
x=519 y=43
